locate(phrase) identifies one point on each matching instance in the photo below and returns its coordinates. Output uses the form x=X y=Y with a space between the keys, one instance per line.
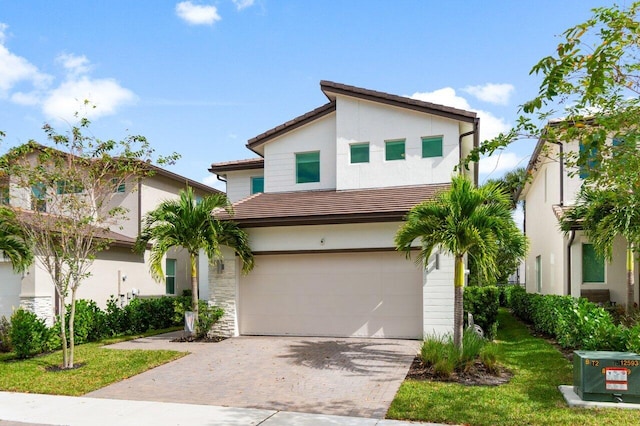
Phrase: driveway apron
x=349 y=377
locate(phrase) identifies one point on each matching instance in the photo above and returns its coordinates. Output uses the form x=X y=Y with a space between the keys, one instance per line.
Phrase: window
x=592 y=265
x=591 y=163
x=432 y=146
x=4 y=196
x=539 y=274
x=308 y=167
x=394 y=150
x=257 y=184
x=359 y=152
x=68 y=187
x=39 y=198
x=118 y=185
x=170 y=276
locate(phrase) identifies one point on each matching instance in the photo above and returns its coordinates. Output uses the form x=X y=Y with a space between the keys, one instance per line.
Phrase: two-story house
x=322 y=204
x=558 y=263
x=117 y=271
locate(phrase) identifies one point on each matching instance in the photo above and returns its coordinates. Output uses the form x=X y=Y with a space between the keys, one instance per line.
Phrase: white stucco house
x=117 y=271
x=322 y=203
x=558 y=263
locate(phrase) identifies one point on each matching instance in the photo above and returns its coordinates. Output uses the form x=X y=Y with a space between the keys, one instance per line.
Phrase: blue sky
x=202 y=77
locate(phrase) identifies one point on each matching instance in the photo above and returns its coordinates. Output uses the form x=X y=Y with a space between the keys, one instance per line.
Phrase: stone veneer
x=39 y=305
x=222 y=291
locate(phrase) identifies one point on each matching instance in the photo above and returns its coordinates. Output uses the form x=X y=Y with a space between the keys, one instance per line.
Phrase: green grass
x=530 y=398
x=100 y=368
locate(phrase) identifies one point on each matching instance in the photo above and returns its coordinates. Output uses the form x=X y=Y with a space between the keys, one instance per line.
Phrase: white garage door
x=344 y=295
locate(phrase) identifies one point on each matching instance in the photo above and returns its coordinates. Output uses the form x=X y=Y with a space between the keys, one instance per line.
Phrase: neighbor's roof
x=330 y=206
x=331 y=89
x=228 y=166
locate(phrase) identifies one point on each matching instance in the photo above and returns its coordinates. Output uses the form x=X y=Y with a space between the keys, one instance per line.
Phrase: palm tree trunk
x=630 y=279
x=194 y=290
x=458 y=310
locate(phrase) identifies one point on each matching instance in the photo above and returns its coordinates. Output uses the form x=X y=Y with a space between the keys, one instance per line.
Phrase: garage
x=363 y=294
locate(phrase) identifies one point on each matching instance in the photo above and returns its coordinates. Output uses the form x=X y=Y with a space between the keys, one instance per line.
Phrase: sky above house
x=200 y=78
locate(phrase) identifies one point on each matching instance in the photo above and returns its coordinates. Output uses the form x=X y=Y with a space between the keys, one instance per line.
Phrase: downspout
x=561 y=157
x=569 y=244
x=476 y=139
x=139 y=206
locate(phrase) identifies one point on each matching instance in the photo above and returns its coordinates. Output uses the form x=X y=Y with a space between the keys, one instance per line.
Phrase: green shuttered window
x=432 y=146
x=170 y=276
x=394 y=150
x=257 y=184
x=359 y=152
x=308 y=167
x=592 y=265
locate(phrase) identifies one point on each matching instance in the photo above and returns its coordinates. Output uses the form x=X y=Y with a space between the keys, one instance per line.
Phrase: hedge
x=483 y=303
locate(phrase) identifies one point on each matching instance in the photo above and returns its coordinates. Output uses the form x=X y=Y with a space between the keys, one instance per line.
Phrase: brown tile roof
x=331 y=88
x=227 y=166
x=299 y=121
x=559 y=211
x=330 y=206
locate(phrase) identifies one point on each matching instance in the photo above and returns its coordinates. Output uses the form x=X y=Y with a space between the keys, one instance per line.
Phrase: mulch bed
x=477 y=376
x=206 y=339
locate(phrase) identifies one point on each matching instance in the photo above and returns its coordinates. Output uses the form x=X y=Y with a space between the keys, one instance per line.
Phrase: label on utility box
x=616 y=378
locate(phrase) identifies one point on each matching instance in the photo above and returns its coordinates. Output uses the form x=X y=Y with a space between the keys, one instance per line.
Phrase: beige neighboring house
x=322 y=203
x=117 y=271
x=558 y=263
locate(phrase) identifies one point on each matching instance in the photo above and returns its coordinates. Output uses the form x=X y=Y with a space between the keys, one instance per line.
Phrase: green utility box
x=607 y=376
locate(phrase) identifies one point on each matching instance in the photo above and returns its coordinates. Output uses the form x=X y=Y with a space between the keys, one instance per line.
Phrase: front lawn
x=532 y=397
x=99 y=367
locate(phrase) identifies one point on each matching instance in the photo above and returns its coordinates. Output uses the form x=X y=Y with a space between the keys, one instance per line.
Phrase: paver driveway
x=351 y=377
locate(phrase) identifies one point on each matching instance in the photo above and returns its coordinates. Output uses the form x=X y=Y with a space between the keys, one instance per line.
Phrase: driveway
x=349 y=377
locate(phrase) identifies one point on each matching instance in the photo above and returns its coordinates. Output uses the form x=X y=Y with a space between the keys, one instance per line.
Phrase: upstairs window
x=592 y=265
x=39 y=198
x=308 y=167
x=591 y=161
x=68 y=187
x=394 y=150
x=170 y=276
x=257 y=184
x=432 y=146
x=359 y=152
x=118 y=185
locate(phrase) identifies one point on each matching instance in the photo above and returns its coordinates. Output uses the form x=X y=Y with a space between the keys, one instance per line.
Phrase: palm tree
x=13 y=241
x=603 y=214
x=462 y=220
x=189 y=223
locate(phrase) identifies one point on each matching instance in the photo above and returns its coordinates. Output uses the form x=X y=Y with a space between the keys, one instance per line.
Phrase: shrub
x=115 y=318
x=489 y=356
x=207 y=315
x=5 y=333
x=29 y=334
x=444 y=357
x=89 y=323
x=483 y=303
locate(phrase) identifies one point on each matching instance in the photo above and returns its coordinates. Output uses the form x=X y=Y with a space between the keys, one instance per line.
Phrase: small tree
x=61 y=198
x=191 y=224
x=460 y=221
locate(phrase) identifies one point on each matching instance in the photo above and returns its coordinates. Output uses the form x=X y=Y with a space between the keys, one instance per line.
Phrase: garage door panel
x=352 y=294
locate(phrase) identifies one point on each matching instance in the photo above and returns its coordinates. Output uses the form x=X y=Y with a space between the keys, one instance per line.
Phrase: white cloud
x=75 y=65
x=15 y=69
x=243 y=4
x=490 y=125
x=194 y=14
x=68 y=98
x=498 y=94
x=499 y=163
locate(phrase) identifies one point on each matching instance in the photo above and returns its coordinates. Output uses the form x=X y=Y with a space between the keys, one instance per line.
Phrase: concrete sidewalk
x=34 y=409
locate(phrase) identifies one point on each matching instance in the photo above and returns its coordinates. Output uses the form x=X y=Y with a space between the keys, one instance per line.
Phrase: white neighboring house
x=118 y=270
x=558 y=263
x=322 y=206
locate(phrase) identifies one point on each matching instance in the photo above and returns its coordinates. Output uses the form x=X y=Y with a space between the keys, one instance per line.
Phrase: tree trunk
x=194 y=290
x=458 y=312
x=63 y=329
x=630 y=280
x=72 y=317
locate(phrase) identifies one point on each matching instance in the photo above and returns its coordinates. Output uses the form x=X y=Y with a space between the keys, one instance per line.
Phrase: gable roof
x=299 y=121
x=389 y=204
x=229 y=166
x=331 y=89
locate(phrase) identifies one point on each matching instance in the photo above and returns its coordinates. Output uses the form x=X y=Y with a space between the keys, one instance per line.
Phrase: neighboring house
x=322 y=206
x=117 y=270
x=558 y=263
